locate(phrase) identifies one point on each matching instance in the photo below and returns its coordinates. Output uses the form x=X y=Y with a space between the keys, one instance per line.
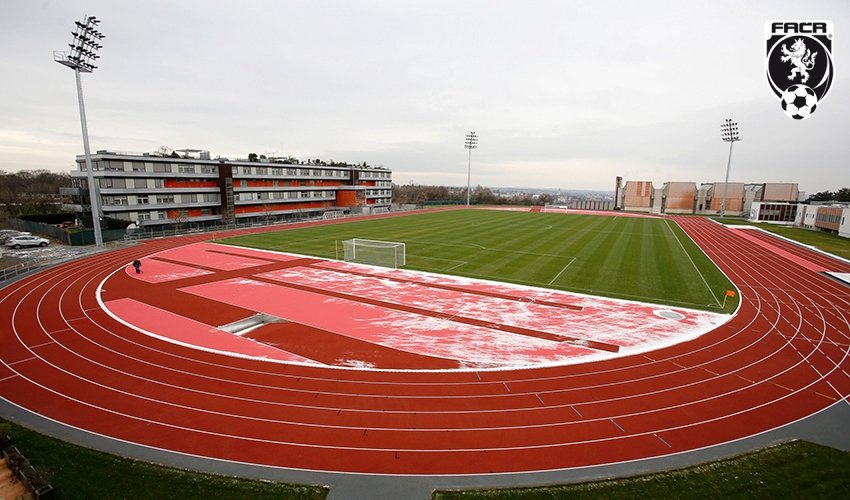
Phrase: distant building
x=637 y=196
x=679 y=197
x=831 y=217
x=192 y=188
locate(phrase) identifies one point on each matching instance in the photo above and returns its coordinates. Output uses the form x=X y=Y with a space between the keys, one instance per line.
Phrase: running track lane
x=783 y=357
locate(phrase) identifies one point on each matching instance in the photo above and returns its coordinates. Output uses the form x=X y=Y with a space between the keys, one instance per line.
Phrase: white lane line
x=659 y=438
x=21 y=360
x=43 y=344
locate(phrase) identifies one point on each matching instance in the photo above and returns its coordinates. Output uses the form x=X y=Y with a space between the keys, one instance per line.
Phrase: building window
x=209 y=169
x=189 y=198
x=140 y=183
x=138 y=167
x=262 y=171
x=162 y=167
x=112 y=183
x=142 y=200
x=144 y=216
x=164 y=198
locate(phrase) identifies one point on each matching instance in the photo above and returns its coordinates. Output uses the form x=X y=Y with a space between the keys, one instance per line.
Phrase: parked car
x=5 y=234
x=27 y=240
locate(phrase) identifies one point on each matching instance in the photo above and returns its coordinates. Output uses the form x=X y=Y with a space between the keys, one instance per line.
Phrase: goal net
x=333 y=214
x=374 y=252
x=381 y=210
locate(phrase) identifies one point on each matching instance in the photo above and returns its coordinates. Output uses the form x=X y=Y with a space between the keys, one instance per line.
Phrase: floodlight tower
x=470 y=144
x=81 y=59
x=729 y=133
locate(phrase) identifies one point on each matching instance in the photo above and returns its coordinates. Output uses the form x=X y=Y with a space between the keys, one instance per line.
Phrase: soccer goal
x=374 y=252
x=381 y=210
x=333 y=214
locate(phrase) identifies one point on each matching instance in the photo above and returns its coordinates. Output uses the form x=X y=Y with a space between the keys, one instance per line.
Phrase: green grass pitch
x=643 y=259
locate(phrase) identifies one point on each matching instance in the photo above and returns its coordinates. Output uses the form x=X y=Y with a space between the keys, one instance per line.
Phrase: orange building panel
x=273 y=207
x=734 y=197
x=638 y=194
x=680 y=195
x=187 y=183
x=346 y=198
x=829 y=218
x=776 y=191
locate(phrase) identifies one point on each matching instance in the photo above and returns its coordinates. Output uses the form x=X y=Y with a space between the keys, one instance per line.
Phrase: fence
x=73 y=237
x=25 y=472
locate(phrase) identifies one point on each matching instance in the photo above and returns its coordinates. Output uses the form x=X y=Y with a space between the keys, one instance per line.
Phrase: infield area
x=636 y=258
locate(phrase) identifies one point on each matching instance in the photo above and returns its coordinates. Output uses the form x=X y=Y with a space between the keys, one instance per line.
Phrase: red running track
x=783 y=357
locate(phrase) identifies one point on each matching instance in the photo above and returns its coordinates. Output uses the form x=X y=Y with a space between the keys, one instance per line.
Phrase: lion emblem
x=801 y=57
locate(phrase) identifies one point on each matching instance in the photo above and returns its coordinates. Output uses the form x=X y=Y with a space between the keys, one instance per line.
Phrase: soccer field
x=643 y=259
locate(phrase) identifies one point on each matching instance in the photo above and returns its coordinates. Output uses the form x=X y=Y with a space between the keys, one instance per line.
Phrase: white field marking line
x=444 y=244
x=667 y=223
x=457 y=266
x=840 y=396
x=21 y=361
x=659 y=438
x=562 y=271
x=9 y=377
x=486 y=249
x=49 y=341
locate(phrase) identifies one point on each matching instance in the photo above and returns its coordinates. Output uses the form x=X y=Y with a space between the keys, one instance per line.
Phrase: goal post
x=381 y=210
x=374 y=252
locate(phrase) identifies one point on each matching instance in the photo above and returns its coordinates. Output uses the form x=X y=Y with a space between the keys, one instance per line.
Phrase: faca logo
x=798 y=64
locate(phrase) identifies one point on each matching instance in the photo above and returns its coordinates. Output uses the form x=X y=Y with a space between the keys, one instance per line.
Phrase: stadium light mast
x=470 y=144
x=729 y=133
x=81 y=59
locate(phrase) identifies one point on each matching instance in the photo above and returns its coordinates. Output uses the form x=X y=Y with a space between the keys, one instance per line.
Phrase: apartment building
x=189 y=187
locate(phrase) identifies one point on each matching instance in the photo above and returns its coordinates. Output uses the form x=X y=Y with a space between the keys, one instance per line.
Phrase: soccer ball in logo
x=799 y=101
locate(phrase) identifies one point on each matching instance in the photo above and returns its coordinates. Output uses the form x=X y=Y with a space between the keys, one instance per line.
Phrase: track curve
x=783 y=357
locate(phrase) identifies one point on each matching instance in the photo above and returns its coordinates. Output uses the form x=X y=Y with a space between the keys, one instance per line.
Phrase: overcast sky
x=562 y=94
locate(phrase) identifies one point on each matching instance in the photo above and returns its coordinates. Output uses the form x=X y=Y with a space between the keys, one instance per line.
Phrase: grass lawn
x=828 y=242
x=644 y=259
x=792 y=470
x=77 y=472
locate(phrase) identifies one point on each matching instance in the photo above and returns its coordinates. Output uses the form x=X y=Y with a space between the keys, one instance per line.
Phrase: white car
x=27 y=240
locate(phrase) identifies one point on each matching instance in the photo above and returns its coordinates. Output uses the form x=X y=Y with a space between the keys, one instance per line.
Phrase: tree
x=252 y=156
x=843 y=194
x=822 y=196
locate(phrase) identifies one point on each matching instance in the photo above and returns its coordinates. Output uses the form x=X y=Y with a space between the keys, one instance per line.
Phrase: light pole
x=729 y=133
x=470 y=144
x=81 y=59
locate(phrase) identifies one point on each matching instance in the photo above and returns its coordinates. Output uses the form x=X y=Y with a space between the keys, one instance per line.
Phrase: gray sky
x=562 y=94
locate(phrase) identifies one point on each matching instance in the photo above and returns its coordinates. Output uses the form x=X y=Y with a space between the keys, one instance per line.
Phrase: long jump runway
x=781 y=358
